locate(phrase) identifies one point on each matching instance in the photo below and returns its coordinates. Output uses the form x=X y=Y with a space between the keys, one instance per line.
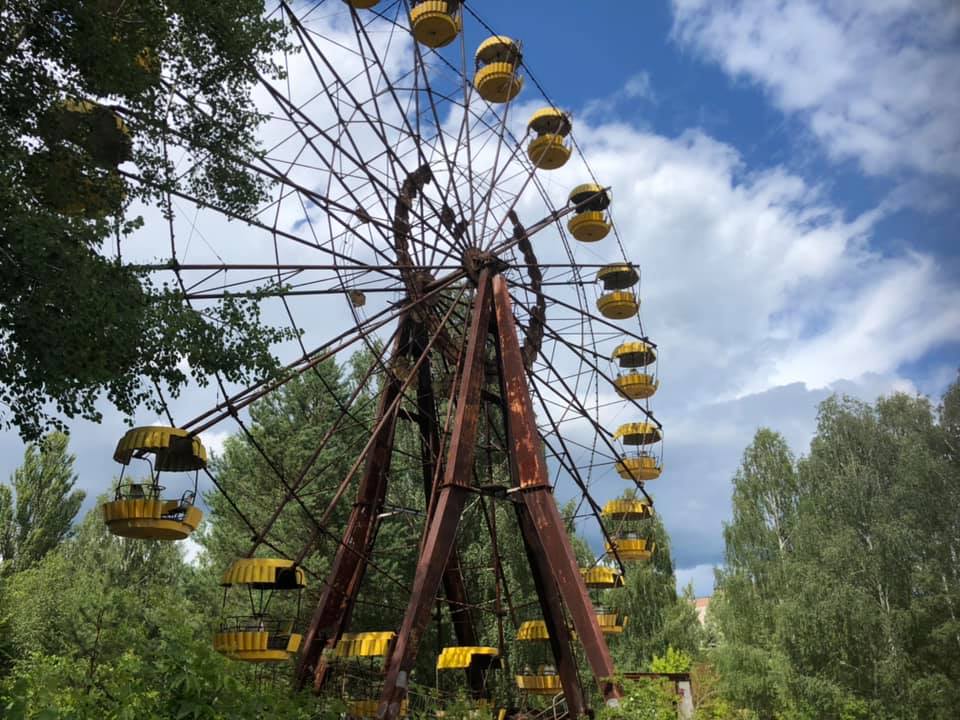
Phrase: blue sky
x=787 y=175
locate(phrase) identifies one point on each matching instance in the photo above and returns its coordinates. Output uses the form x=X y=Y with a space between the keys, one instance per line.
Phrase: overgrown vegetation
x=76 y=323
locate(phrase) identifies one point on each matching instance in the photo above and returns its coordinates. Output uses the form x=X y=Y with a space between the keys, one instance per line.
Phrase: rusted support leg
x=553 y=617
x=350 y=562
x=549 y=536
x=442 y=525
x=430 y=449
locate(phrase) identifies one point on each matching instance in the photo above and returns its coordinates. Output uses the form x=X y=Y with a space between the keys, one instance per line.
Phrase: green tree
x=104 y=627
x=38 y=514
x=840 y=592
x=658 y=617
x=751 y=586
x=179 y=74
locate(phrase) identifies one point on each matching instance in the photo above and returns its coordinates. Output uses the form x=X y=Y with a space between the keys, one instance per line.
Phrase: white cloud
x=876 y=81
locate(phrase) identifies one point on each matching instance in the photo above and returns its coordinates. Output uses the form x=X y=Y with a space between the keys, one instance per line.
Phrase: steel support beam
x=339 y=595
x=551 y=544
x=430 y=449
x=450 y=500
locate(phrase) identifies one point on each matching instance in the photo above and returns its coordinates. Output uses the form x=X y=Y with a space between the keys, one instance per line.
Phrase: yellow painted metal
x=461 y=657
x=151 y=519
x=626 y=509
x=498 y=82
x=499 y=49
x=358 y=298
x=434 y=25
x=635 y=354
x=533 y=631
x=600 y=577
x=265 y=574
x=639 y=433
x=589 y=226
x=639 y=467
x=539 y=684
x=618 y=276
x=550 y=121
x=253 y=646
x=636 y=386
x=590 y=196
x=631 y=549
x=364 y=644
x=363 y=709
x=618 y=305
x=61 y=180
x=612 y=623
x=175 y=450
x=362 y=4
x=548 y=152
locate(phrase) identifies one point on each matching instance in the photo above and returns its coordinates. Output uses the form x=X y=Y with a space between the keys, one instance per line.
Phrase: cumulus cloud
x=876 y=81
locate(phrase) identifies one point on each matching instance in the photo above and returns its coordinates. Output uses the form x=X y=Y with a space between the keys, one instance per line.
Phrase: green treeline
x=841 y=586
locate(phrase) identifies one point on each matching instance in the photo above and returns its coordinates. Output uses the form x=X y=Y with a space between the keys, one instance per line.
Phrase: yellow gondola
x=618 y=305
x=367 y=708
x=590 y=223
x=630 y=547
x=138 y=510
x=260 y=637
x=618 y=276
x=627 y=509
x=435 y=23
x=635 y=354
x=95 y=128
x=362 y=4
x=61 y=180
x=640 y=433
x=636 y=386
x=611 y=622
x=498 y=60
x=462 y=658
x=549 y=150
x=601 y=578
x=640 y=467
x=544 y=681
x=533 y=631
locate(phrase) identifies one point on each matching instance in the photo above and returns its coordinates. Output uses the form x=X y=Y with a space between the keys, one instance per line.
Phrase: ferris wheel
x=430 y=205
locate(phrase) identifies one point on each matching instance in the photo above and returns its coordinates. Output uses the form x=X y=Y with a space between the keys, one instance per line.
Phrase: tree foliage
x=841 y=588
x=75 y=322
x=38 y=514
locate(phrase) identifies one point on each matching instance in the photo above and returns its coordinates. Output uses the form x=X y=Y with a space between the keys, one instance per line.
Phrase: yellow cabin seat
x=618 y=305
x=632 y=549
x=62 y=181
x=635 y=354
x=618 y=276
x=95 y=128
x=137 y=511
x=640 y=433
x=259 y=637
x=636 y=386
x=498 y=60
x=626 y=509
x=639 y=468
x=544 y=682
x=590 y=223
x=364 y=645
x=601 y=578
x=549 y=150
x=435 y=23
x=151 y=519
x=463 y=657
x=611 y=623
x=533 y=631
x=257 y=646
